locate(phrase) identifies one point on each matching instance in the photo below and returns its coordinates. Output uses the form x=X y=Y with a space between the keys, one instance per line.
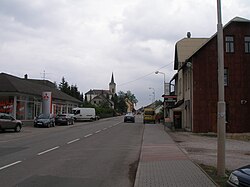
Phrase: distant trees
x=70 y=90
x=120 y=104
x=103 y=110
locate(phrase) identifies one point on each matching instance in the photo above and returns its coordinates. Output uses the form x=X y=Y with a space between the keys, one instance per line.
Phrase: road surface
x=100 y=153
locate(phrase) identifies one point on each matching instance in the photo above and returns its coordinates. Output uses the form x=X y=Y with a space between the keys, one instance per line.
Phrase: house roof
x=102 y=97
x=236 y=19
x=10 y=83
x=186 y=47
x=98 y=92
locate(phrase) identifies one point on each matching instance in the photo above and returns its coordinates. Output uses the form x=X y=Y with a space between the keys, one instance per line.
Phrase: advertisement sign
x=47 y=102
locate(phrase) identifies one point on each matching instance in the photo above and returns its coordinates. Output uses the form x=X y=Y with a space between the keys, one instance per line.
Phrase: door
x=178 y=120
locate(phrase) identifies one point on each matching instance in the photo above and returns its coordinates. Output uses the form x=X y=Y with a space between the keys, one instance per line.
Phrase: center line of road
x=88 y=135
x=72 y=141
x=48 y=150
x=104 y=129
x=12 y=164
x=98 y=131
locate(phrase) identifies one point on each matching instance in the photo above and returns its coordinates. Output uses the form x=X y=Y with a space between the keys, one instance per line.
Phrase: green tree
x=70 y=90
x=121 y=106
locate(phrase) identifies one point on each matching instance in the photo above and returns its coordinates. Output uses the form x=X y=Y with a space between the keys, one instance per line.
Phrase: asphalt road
x=100 y=153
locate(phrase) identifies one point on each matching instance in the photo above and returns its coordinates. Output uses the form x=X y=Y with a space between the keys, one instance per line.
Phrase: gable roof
x=186 y=47
x=98 y=92
x=235 y=19
x=10 y=83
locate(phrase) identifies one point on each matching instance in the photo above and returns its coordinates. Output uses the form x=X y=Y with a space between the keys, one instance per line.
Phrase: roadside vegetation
x=212 y=172
x=103 y=110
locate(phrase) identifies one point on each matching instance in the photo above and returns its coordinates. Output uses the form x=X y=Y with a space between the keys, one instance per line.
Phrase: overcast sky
x=86 y=40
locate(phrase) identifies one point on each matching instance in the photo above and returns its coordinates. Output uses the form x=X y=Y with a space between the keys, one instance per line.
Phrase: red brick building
x=197 y=80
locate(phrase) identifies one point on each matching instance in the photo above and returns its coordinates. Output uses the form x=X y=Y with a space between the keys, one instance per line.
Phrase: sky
x=84 y=41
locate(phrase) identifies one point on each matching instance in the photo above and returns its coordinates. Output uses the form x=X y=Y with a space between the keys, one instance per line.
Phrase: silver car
x=8 y=122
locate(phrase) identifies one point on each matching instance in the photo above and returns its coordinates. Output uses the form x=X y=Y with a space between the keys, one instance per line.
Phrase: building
x=197 y=80
x=102 y=97
x=22 y=97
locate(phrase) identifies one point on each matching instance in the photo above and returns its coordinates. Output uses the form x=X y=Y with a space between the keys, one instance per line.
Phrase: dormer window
x=229 y=44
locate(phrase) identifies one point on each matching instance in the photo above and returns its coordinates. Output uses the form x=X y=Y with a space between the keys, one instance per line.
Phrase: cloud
x=85 y=41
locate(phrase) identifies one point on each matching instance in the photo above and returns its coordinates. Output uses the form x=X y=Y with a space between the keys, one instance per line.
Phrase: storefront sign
x=47 y=102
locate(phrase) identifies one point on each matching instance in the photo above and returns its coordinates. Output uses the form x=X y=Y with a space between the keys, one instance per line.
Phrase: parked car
x=240 y=177
x=64 y=119
x=9 y=122
x=129 y=117
x=45 y=120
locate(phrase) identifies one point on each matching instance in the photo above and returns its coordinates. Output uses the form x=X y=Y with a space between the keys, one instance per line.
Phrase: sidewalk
x=162 y=163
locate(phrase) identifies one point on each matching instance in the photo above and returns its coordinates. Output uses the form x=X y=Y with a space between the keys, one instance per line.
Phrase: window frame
x=229 y=44
x=247 y=44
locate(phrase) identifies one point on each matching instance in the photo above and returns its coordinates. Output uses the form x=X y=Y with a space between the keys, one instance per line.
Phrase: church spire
x=112 y=85
x=112 y=78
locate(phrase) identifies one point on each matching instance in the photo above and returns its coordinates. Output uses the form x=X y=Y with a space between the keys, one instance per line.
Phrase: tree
x=121 y=106
x=70 y=90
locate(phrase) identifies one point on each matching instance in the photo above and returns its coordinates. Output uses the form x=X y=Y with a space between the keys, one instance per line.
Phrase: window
x=229 y=44
x=247 y=44
x=225 y=77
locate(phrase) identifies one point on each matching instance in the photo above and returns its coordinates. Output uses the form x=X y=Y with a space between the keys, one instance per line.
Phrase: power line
x=139 y=78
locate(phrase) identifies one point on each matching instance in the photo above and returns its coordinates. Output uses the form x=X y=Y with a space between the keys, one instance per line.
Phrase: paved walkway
x=162 y=163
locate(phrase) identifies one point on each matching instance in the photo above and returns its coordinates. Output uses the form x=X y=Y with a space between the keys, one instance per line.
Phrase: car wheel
x=48 y=125
x=68 y=123
x=73 y=122
x=18 y=128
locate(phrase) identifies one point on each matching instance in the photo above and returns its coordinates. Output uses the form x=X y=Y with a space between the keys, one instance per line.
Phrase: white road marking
x=12 y=164
x=98 y=131
x=117 y=123
x=88 y=135
x=104 y=129
x=72 y=141
x=41 y=153
x=110 y=126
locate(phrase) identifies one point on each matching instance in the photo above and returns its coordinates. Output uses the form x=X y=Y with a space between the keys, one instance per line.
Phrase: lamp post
x=221 y=111
x=164 y=103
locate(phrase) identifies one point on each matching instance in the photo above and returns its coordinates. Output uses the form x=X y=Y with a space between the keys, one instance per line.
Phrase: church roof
x=112 y=79
x=97 y=92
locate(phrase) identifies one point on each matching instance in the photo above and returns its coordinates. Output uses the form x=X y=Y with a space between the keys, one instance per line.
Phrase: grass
x=212 y=172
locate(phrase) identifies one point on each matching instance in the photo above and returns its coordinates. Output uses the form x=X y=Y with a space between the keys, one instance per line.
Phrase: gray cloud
x=85 y=41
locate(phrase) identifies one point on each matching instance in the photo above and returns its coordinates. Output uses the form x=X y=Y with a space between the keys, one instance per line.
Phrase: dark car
x=240 y=177
x=64 y=119
x=8 y=122
x=45 y=120
x=129 y=117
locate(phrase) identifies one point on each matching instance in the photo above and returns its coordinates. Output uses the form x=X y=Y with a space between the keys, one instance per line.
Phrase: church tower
x=112 y=85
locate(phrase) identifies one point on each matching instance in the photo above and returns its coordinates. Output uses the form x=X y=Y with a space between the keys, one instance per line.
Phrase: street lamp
x=159 y=72
x=164 y=103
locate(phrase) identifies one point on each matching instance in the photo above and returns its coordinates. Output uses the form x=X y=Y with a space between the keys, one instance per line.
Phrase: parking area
x=29 y=130
x=202 y=148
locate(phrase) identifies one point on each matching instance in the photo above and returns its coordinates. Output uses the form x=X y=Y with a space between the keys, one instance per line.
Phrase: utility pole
x=221 y=110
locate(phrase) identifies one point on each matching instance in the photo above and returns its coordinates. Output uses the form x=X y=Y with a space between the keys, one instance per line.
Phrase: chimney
x=188 y=34
x=26 y=76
